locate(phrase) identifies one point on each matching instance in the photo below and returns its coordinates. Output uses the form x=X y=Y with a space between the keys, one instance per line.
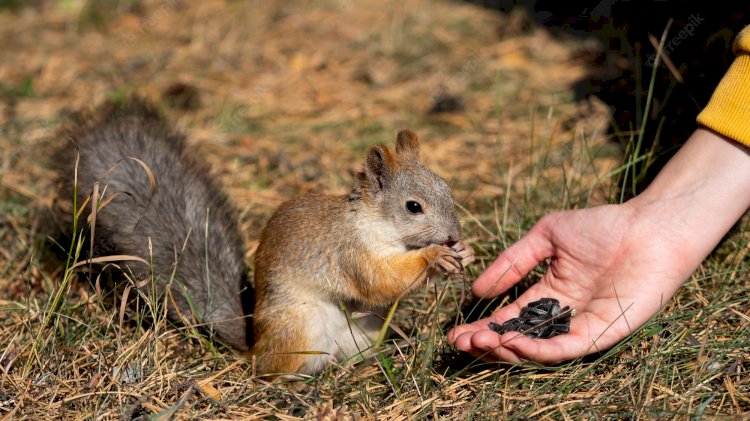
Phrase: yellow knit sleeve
x=728 y=111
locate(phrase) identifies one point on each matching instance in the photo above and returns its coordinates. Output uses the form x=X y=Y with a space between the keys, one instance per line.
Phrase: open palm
x=609 y=263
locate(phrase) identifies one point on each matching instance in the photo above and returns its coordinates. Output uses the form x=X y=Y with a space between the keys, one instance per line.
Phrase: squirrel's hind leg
x=306 y=337
x=291 y=338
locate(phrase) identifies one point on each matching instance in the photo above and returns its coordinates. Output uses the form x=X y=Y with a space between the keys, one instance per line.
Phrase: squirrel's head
x=410 y=197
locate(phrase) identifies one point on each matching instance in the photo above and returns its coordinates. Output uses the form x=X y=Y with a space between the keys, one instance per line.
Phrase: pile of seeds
x=539 y=319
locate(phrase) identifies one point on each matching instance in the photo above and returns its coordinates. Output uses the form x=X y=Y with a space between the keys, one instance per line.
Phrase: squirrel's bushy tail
x=196 y=247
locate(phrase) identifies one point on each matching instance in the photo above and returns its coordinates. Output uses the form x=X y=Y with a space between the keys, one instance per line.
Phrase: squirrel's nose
x=453 y=237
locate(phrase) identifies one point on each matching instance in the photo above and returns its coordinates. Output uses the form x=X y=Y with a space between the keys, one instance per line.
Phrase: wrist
x=701 y=192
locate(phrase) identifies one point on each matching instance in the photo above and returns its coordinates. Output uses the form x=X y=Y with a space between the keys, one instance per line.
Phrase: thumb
x=517 y=260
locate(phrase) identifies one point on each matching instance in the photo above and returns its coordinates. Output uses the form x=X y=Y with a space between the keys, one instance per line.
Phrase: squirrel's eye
x=413 y=207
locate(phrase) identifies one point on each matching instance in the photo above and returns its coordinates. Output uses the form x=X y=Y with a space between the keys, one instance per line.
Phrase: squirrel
x=364 y=250
x=325 y=268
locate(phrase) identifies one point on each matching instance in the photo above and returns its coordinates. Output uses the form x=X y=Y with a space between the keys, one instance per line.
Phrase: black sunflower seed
x=539 y=319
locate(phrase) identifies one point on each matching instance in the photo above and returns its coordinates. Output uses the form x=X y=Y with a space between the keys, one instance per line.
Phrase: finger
x=536 y=292
x=481 y=355
x=484 y=344
x=516 y=347
x=470 y=328
x=585 y=337
x=460 y=337
x=502 y=314
x=491 y=346
x=517 y=260
x=477 y=339
x=544 y=351
x=499 y=316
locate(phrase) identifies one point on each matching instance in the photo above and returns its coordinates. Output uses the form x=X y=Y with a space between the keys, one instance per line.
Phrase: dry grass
x=291 y=93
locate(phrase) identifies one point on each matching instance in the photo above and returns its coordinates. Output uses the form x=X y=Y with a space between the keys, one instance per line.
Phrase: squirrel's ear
x=407 y=144
x=378 y=166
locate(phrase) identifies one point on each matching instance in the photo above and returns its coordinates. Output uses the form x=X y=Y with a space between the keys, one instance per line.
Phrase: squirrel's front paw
x=445 y=259
x=465 y=251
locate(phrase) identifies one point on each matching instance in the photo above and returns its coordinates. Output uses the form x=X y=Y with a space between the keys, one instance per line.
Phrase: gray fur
x=438 y=224
x=211 y=271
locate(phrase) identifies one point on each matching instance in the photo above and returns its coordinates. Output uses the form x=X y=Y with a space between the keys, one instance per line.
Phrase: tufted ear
x=407 y=144
x=379 y=167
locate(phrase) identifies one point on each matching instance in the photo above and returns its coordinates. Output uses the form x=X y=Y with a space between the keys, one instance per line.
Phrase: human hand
x=605 y=263
x=616 y=264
